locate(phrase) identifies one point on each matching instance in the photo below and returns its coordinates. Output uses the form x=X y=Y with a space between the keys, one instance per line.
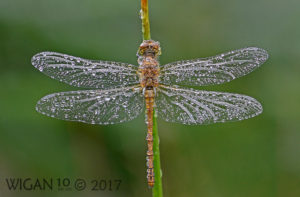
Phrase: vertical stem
x=145 y=20
x=157 y=189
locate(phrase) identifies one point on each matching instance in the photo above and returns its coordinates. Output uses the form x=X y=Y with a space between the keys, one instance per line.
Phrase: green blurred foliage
x=256 y=157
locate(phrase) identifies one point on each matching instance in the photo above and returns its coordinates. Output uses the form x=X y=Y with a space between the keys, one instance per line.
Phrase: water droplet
x=141 y=14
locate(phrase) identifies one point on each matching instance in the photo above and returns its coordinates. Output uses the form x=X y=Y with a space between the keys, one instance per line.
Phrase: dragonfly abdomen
x=149 y=97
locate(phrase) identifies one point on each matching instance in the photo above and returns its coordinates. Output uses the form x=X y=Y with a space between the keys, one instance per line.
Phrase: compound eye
x=141 y=50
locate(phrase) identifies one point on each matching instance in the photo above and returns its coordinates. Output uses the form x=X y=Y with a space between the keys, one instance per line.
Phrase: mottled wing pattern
x=94 y=106
x=213 y=70
x=188 y=106
x=85 y=73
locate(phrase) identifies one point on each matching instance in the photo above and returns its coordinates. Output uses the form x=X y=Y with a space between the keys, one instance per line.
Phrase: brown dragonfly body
x=149 y=72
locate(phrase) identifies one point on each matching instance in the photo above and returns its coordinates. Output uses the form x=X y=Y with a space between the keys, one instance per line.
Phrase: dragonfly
x=119 y=92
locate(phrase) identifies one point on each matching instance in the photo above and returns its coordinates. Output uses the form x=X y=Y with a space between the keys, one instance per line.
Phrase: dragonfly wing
x=190 y=106
x=213 y=70
x=93 y=106
x=85 y=73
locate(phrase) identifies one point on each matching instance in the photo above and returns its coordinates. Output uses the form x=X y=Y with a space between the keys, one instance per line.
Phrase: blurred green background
x=257 y=157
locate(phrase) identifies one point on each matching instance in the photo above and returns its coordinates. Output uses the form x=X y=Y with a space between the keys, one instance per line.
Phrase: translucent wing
x=213 y=70
x=93 y=106
x=189 y=106
x=85 y=73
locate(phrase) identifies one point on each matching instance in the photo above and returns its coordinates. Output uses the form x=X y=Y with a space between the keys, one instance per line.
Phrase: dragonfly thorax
x=148 y=72
x=149 y=69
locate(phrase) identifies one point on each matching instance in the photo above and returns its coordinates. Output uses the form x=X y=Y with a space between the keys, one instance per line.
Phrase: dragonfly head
x=149 y=48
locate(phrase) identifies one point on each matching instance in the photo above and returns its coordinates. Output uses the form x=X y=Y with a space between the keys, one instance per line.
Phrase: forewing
x=93 y=106
x=189 y=106
x=85 y=73
x=213 y=70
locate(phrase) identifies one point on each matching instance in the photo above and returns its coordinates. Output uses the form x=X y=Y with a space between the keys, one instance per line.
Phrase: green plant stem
x=145 y=20
x=157 y=189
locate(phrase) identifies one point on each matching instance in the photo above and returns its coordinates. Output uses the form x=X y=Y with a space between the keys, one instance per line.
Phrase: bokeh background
x=257 y=157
